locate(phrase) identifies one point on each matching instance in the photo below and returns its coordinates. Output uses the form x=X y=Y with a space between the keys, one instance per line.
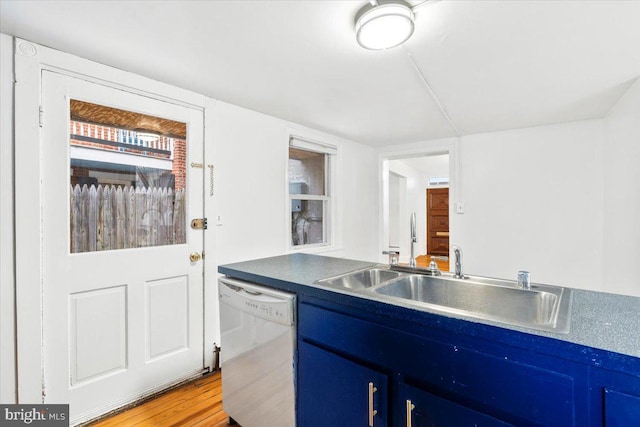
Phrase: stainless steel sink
x=361 y=279
x=543 y=307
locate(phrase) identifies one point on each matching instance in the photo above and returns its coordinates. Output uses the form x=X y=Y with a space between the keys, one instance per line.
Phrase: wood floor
x=424 y=260
x=197 y=403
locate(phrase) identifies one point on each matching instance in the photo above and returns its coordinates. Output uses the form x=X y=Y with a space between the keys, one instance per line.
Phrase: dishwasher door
x=257 y=328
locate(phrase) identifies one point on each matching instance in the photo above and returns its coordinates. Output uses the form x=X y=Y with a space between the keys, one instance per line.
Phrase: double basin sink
x=542 y=307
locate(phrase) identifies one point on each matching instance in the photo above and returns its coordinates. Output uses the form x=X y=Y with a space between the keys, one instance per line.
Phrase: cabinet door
x=615 y=399
x=333 y=391
x=417 y=408
x=621 y=409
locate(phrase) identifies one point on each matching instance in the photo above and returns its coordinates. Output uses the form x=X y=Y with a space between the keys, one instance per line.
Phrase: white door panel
x=167 y=333
x=97 y=333
x=117 y=323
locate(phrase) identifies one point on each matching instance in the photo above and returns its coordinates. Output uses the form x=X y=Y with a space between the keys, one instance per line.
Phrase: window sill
x=318 y=249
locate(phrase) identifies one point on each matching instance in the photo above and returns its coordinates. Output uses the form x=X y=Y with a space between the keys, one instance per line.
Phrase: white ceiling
x=493 y=65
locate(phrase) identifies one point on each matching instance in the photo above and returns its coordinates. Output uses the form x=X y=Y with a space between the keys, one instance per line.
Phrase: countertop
x=599 y=321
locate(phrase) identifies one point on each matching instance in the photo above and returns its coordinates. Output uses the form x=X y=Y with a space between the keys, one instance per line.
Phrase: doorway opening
x=410 y=183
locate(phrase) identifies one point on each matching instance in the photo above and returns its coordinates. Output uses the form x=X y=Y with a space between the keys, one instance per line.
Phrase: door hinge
x=199 y=223
x=40 y=116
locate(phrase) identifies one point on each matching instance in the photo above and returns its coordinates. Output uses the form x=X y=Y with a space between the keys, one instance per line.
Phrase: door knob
x=195 y=257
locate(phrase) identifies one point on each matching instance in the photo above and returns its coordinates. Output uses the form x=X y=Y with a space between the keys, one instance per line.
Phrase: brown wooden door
x=438 y=221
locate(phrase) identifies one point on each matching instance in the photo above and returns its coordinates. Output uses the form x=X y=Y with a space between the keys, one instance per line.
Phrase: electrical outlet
x=218 y=220
x=459 y=208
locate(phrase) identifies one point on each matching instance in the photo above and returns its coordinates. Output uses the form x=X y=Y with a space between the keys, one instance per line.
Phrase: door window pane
x=127 y=178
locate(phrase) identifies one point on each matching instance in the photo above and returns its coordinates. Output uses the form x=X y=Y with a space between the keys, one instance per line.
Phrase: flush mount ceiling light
x=383 y=26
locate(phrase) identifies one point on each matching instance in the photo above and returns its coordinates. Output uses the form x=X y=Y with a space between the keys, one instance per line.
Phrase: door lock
x=199 y=223
x=195 y=257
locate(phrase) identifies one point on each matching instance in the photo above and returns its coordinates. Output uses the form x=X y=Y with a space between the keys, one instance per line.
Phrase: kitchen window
x=310 y=170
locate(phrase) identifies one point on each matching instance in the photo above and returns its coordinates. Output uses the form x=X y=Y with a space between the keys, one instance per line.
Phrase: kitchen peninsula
x=362 y=358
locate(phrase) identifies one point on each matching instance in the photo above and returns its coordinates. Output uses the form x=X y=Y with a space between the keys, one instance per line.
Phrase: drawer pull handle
x=372 y=412
x=410 y=407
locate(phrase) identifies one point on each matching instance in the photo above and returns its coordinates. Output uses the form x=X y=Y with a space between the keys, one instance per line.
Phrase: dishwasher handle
x=238 y=288
x=253 y=290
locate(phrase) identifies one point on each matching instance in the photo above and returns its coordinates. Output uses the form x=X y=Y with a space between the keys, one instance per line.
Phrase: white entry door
x=122 y=294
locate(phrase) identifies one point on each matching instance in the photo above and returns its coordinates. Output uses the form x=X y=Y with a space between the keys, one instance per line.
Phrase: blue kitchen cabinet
x=452 y=379
x=334 y=391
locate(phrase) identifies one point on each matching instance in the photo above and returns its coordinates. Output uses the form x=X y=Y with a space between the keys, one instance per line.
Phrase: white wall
x=533 y=201
x=249 y=184
x=622 y=194
x=7 y=325
x=251 y=152
x=414 y=202
x=358 y=197
x=430 y=167
x=396 y=183
x=436 y=167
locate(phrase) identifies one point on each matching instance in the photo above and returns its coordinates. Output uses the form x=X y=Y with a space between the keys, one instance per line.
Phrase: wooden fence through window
x=110 y=217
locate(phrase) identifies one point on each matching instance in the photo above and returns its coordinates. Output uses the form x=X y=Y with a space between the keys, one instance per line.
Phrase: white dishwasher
x=258 y=334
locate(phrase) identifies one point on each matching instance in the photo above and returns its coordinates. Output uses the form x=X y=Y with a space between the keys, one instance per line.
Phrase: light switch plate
x=459 y=208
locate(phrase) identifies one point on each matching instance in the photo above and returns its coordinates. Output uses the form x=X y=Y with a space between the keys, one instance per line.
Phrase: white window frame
x=329 y=201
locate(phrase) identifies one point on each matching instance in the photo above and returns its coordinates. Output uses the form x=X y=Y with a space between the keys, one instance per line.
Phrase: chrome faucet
x=457 y=254
x=393 y=256
x=412 y=259
x=433 y=269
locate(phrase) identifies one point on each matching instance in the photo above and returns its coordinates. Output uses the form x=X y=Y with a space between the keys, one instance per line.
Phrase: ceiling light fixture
x=383 y=26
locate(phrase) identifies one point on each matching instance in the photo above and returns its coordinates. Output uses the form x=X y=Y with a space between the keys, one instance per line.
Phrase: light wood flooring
x=197 y=403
